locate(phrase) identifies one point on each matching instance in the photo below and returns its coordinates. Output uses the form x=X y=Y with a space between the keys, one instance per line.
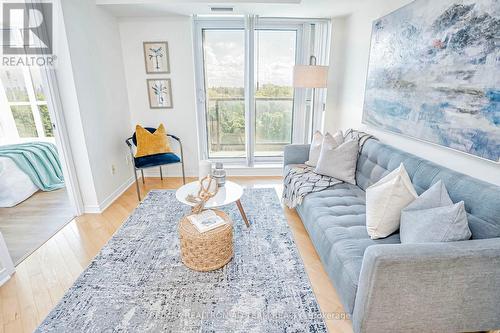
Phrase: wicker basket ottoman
x=209 y=250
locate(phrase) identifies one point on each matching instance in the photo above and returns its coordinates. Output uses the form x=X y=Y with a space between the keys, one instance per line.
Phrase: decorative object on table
x=206 y=220
x=433 y=217
x=160 y=93
x=140 y=276
x=230 y=193
x=384 y=201
x=151 y=143
x=204 y=169
x=310 y=76
x=154 y=160
x=206 y=191
x=156 y=57
x=219 y=174
x=209 y=250
x=440 y=84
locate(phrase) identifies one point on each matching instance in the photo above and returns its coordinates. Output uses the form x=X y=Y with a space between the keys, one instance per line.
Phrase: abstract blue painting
x=434 y=74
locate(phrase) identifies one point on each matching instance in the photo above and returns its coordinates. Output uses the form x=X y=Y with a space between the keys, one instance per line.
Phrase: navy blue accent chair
x=156 y=160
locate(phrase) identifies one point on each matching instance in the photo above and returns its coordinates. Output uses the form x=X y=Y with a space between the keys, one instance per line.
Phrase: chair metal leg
x=161 y=174
x=182 y=164
x=137 y=185
x=183 y=173
x=142 y=174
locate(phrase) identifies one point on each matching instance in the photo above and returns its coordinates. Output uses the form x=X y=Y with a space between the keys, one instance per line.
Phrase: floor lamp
x=310 y=76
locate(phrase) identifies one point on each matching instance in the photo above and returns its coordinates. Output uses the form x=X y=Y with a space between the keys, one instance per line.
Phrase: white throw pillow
x=317 y=142
x=385 y=200
x=338 y=161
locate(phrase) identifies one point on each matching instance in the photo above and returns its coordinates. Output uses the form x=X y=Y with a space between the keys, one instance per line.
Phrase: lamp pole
x=312 y=62
x=310 y=76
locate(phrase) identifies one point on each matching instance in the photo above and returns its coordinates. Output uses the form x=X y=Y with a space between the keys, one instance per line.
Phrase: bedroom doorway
x=35 y=195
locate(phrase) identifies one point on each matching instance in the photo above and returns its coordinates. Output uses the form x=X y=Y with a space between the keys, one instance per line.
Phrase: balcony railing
x=226 y=125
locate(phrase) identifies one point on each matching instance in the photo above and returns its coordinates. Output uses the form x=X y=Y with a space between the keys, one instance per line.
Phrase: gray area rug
x=137 y=283
x=28 y=225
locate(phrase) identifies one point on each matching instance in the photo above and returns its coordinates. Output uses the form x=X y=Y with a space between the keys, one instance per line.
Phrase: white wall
x=71 y=114
x=349 y=54
x=181 y=120
x=93 y=72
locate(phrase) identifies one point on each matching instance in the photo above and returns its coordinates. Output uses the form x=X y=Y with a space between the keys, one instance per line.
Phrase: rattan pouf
x=209 y=250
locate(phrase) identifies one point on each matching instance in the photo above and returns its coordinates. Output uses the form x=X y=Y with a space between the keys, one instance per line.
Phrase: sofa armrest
x=295 y=154
x=446 y=287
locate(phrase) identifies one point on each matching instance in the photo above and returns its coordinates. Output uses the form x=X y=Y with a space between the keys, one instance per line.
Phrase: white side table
x=227 y=194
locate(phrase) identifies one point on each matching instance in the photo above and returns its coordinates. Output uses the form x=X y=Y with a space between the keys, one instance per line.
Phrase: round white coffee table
x=227 y=194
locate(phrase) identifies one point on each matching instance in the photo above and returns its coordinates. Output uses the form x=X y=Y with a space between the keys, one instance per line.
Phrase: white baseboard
x=260 y=170
x=97 y=209
x=232 y=170
x=91 y=209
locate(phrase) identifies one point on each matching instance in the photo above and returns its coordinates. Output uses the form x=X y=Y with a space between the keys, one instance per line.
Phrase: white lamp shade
x=308 y=76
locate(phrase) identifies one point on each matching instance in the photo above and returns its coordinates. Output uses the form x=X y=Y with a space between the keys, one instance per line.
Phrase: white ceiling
x=270 y=8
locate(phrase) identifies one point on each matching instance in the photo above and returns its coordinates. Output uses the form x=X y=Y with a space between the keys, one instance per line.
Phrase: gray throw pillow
x=433 y=217
x=338 y=161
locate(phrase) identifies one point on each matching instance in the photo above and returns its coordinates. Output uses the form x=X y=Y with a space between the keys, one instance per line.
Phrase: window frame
x=297 y=109
x=199 y=25
x=8 y=121
x=250 y=24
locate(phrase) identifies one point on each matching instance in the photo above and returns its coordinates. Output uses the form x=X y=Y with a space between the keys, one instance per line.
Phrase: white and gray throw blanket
x=301 y=179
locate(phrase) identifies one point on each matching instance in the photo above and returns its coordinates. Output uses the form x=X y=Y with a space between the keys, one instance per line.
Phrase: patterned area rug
x=137 y=283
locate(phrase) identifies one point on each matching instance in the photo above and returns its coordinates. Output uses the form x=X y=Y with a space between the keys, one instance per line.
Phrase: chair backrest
x=482 y=199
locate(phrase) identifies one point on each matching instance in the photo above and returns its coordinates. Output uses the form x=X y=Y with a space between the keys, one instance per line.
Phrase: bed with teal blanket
x=28 y=167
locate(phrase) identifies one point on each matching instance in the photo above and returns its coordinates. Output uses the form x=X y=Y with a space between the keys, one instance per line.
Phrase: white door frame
x=61 y=133
x=62 y=139
x=6 y=264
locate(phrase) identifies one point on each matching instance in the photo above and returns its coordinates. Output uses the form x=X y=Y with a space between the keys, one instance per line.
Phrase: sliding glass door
x=245 y=93
x=224 y=64
x=275 y=55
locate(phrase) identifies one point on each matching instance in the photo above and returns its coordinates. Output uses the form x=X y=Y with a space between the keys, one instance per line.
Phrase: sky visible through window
x=224 y=63
x=225 y=57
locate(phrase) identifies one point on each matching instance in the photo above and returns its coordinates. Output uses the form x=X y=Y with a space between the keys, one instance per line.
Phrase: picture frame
x=156 y=57
x=160 y=93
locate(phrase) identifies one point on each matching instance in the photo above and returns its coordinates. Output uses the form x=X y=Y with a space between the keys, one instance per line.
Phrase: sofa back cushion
x=481 y=198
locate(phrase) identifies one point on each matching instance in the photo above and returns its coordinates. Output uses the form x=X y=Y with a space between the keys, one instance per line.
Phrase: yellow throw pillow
x=151 y=143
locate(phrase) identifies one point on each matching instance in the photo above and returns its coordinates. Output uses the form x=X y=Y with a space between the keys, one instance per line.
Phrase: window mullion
x=32 y=98
x=6 y=118
x=250 y=89
x=200 y=93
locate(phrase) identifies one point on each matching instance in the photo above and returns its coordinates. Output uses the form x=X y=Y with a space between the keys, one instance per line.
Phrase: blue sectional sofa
x=387 y=286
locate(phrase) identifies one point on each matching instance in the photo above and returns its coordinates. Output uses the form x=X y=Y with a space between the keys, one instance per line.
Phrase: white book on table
x=206 y=221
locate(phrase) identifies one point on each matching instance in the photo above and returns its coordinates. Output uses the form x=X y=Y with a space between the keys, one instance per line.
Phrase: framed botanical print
x=160 y=93
x=156 y=57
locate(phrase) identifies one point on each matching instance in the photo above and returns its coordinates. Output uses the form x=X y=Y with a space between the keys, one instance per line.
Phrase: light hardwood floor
x=41 y=280
x=29 y=224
